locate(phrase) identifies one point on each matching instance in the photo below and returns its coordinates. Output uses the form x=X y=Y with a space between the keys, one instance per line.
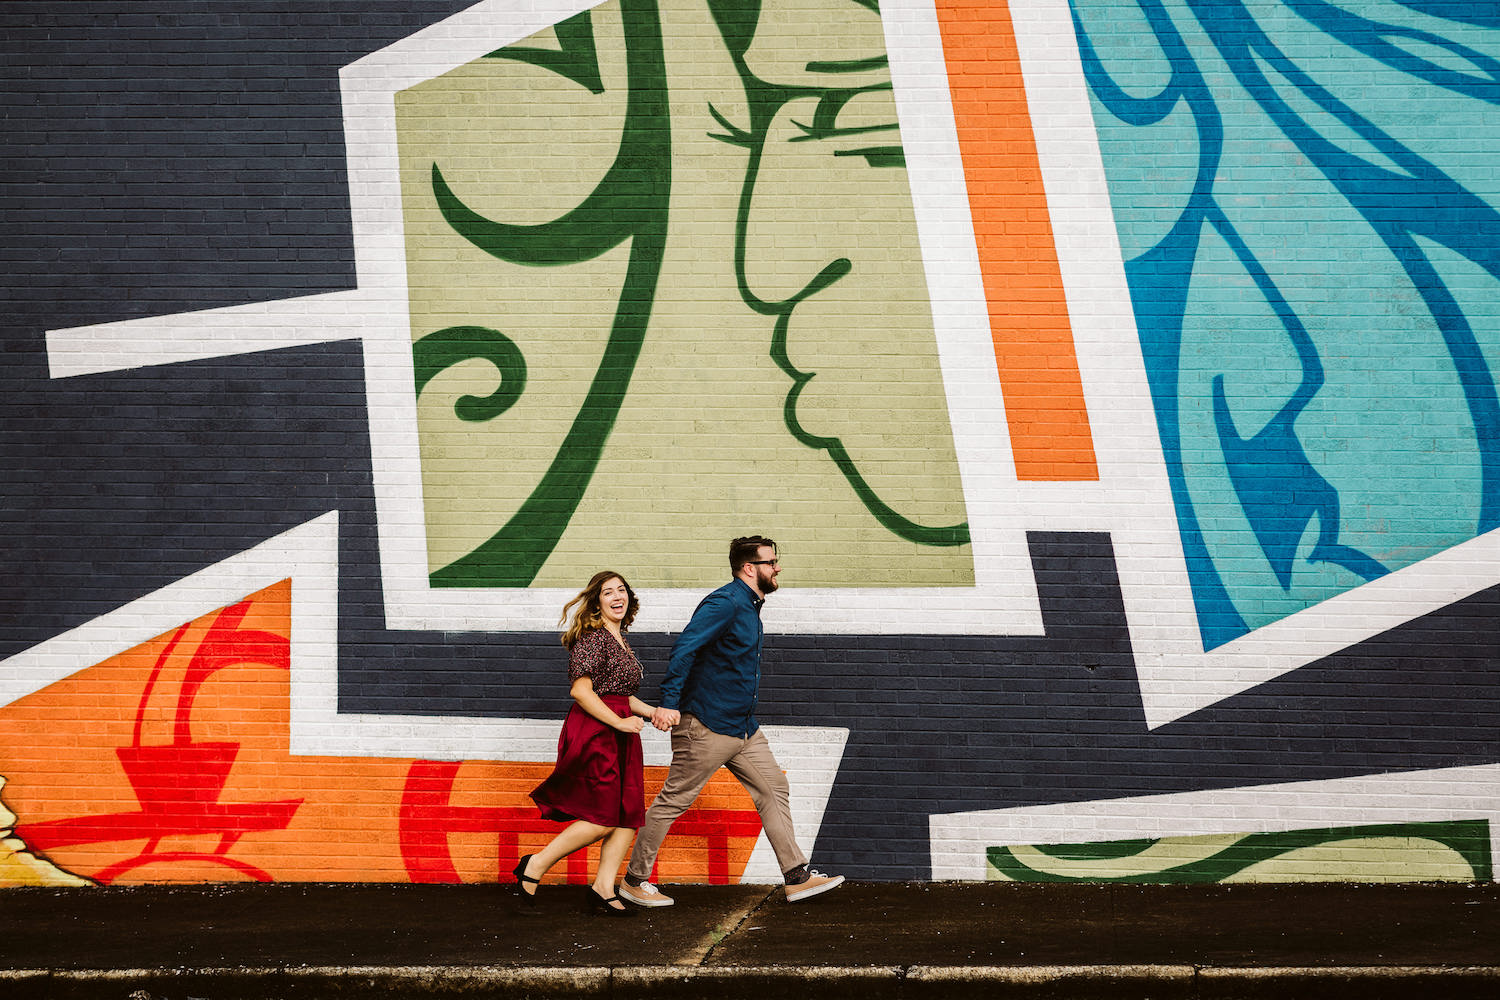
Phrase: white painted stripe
x=210 y=333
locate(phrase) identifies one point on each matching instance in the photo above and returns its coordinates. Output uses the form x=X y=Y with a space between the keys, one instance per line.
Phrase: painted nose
x=773 y=297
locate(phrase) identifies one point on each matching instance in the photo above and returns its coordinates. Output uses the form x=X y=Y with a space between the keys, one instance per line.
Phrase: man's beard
x=766 y=583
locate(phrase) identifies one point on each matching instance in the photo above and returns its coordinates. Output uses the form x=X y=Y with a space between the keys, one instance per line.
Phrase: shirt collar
x=755 y=600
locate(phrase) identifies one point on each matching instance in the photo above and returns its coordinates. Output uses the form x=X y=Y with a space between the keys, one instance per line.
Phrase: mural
x=1118 y=379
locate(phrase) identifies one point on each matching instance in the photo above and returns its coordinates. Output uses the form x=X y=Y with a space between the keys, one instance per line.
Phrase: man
x=708 y=698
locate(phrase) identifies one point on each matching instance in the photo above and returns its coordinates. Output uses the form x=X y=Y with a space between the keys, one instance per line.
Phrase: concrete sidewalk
x=871 y=940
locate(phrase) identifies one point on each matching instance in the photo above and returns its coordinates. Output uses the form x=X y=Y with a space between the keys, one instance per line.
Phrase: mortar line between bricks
x=745 y=914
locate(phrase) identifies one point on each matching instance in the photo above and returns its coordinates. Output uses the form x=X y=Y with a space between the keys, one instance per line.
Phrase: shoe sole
x=832 y=883
x=648 y=903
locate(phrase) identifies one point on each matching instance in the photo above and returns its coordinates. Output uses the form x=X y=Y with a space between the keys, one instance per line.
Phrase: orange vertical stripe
x=1044 y=405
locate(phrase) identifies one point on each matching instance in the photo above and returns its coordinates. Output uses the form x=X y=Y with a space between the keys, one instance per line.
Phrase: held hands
x=665 y=718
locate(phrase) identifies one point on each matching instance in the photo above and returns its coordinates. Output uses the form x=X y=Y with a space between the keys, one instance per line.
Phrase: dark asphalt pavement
x=949 y=940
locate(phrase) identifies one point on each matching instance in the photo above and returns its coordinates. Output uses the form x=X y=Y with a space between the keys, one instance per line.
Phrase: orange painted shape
x=1044 y=404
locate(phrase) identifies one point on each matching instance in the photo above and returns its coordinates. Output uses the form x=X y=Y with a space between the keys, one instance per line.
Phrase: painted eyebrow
x=847 y=65
x=816 y=131
x=878 y=156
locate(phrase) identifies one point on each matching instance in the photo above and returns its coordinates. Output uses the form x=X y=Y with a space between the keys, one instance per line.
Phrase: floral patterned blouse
x=611 y=665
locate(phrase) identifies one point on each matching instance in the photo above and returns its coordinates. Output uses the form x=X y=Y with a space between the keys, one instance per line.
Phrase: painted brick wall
x=1117 y=379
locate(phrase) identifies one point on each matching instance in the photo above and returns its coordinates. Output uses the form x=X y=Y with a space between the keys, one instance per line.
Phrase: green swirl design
x=629 y=203
x=446 y=348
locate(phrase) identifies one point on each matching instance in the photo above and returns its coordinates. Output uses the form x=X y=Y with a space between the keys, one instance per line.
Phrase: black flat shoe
x=527 y=898
x=614 y=906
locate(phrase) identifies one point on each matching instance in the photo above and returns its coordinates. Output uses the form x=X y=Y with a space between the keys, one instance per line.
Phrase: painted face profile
x=827 y=249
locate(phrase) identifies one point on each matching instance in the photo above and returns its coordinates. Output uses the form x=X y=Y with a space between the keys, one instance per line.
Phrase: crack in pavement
x=733 y=921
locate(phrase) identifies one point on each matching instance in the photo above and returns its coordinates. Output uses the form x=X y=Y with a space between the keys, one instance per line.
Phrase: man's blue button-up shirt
x=714 y=670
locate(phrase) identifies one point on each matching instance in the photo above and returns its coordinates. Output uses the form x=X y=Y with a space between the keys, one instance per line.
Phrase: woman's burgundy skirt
x=598 y=777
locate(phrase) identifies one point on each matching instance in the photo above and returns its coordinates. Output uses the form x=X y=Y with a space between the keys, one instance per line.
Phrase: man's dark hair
x=743 y=550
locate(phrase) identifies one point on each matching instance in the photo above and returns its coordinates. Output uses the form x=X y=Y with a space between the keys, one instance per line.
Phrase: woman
x=597 y=782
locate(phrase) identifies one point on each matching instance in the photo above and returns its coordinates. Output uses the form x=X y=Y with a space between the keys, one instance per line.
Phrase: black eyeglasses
x=765 y=562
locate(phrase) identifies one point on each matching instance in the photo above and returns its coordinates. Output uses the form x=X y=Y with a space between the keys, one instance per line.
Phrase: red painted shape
x=427 y=818
x=156 y=671
x=423 y=835
x=177 y=778
x=179 y=784
x=717 y=827
x=114 y=871
x=226 y=645
x=229 y=820
x=178 y=787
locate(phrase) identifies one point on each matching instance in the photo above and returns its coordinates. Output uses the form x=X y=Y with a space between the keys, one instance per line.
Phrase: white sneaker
x=816 y=882
x=644 y=894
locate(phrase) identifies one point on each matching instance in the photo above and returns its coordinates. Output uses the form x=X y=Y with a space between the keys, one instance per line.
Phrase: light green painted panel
x=685 y=375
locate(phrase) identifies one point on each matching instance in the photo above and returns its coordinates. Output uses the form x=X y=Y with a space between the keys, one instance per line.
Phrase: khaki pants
x=697 y=752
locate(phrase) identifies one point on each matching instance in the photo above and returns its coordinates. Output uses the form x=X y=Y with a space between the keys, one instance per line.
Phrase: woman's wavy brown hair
x=585 y=608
